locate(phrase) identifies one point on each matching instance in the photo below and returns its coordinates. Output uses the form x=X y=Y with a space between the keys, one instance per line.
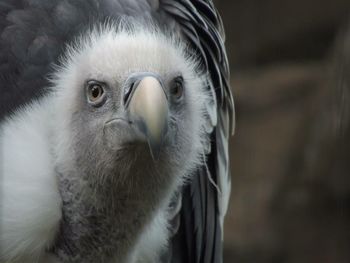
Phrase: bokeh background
x=290 y=156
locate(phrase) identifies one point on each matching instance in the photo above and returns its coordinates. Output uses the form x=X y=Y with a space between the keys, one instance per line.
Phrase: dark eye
x=177 y=88
x=95 y=93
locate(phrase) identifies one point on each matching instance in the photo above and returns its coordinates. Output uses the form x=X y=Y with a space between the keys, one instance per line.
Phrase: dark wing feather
x=199 y=238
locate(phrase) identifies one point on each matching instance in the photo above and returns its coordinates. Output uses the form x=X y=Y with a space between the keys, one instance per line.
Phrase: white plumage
x=30 y=203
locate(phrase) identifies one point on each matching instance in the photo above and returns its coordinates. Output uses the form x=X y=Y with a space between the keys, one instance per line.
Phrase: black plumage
x=200 y=233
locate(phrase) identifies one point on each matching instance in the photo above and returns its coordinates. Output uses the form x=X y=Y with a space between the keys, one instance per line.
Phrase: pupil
x=177 y=90
x=95 y=92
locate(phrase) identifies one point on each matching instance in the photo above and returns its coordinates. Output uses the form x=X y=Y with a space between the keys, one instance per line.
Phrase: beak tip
x=155 y=148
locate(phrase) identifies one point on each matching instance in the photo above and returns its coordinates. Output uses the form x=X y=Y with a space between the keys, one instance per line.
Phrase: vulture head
x=130 y=103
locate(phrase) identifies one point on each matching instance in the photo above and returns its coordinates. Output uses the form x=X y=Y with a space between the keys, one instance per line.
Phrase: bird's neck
x=105 y=220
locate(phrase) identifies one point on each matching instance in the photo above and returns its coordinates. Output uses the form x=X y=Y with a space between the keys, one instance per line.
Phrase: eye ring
x=177 y=88
x=95 y=92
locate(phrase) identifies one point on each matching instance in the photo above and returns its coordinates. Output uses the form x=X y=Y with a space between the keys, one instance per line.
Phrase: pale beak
x=148 y=109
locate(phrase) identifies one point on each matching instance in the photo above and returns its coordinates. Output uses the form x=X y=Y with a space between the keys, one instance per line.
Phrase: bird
x=115 y=117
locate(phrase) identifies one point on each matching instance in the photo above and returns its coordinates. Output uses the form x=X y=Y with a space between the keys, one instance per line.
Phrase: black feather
x=199 y=237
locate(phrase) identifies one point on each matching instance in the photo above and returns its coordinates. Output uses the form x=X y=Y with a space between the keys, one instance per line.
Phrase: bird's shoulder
x=30 y=201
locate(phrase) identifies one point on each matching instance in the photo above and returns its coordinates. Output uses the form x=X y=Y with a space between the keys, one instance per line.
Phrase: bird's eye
x=95 y=93
x=177 y=88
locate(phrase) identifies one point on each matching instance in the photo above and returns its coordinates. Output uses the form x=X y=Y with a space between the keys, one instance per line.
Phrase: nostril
x=127 y=92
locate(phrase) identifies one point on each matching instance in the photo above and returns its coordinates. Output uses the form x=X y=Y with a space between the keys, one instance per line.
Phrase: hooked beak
x=147 y=106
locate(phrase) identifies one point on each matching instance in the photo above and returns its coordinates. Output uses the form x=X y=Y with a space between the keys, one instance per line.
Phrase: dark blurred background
x=290 y=156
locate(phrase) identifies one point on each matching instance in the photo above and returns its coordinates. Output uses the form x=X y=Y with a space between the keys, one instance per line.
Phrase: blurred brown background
x=290 y=156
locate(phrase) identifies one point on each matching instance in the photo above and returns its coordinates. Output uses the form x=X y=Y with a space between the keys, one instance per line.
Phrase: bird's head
x=130 y=98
